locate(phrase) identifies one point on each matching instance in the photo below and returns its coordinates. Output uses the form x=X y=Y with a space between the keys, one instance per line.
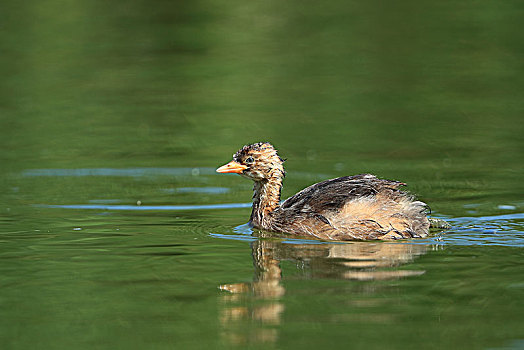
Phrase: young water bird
x=359 y=207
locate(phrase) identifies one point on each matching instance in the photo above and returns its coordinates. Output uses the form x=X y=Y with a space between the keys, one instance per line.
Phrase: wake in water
x=507 y=230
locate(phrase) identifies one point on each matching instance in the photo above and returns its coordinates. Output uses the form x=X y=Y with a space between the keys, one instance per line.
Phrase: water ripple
x=514 y=216
x=502 y=230
x=496 y=230
x=200 y=190
x=144 y=207
x=134 y=172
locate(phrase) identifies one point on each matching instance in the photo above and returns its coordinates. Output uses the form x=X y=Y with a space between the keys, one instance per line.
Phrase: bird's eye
x=249 y=160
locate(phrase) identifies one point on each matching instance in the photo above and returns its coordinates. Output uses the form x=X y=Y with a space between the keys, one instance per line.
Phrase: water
x=117 y=233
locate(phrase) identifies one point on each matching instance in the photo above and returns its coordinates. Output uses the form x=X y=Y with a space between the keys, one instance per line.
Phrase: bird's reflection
x=260 y=302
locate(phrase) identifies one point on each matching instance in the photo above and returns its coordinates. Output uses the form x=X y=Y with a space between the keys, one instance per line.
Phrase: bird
x=349 y=208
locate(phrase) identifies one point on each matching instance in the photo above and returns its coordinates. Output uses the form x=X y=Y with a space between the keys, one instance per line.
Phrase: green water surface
x=116 y=233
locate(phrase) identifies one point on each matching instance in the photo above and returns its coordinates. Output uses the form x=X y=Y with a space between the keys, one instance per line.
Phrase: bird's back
x=353 y=207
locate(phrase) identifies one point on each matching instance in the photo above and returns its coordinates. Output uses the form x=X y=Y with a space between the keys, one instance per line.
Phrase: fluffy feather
x=346 y=208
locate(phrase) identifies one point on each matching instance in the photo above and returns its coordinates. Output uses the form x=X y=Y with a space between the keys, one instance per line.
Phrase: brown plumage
x=346 y=208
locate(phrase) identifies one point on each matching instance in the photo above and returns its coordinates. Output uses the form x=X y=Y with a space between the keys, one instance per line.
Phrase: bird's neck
x=266 y=199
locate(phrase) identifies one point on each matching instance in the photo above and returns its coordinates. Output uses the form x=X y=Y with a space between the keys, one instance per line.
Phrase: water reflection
x=260 y=301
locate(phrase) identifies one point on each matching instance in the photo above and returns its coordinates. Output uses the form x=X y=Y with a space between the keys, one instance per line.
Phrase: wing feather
x=335 y=193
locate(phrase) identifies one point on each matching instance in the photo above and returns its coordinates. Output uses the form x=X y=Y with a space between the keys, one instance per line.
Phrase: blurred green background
x=147 y=81
x=119 y=102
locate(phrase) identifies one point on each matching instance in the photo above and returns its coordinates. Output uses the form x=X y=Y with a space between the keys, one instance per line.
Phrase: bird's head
x=258 y=162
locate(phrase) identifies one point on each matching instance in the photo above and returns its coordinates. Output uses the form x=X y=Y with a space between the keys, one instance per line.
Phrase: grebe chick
x=359 y=207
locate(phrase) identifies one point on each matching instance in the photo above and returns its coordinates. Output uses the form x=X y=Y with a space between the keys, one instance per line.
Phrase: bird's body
x=346 y=208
